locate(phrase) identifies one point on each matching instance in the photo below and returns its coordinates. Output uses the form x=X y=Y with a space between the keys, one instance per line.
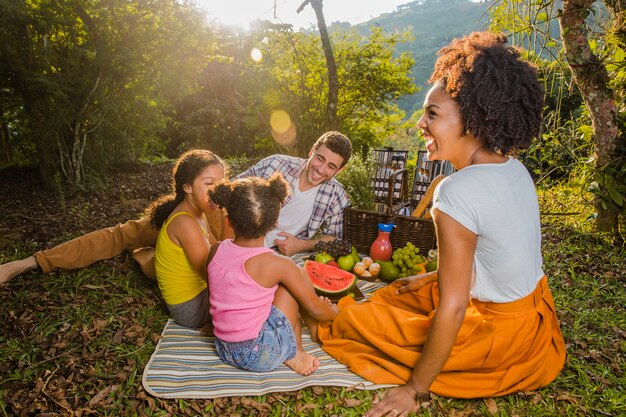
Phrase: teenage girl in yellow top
x=184 y=239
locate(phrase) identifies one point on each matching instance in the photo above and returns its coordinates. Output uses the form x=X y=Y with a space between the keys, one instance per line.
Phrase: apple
x=323 y=257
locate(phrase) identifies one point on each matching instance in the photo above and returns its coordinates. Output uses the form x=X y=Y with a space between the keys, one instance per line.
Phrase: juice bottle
x=381 y=249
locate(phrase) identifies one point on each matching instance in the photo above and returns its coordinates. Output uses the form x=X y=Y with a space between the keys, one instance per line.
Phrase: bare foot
x=145 y=258
x=325 y=299
x=312 y=326
x=303 y=363
x=12 y=269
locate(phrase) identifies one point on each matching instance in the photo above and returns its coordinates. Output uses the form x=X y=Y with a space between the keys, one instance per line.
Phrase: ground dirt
x=40 y=218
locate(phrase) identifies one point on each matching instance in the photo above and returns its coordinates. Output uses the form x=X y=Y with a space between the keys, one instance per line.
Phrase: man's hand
x=415 y=282
x=289 y=244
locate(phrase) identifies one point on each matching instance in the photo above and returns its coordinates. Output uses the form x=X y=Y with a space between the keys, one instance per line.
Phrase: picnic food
x=388 y=271
x=359 y=268
x=323 y=257
x=346 y=262
x=355 y=254
x=421 y=209
x=333 y=263
x=335 y=248
x=366 y=268
x=374 y=268
x=408 y=260
x=381 y=247
x=431 y=266
x=327 y=279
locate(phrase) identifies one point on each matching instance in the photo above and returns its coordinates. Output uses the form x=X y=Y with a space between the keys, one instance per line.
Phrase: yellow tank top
x=178 y=280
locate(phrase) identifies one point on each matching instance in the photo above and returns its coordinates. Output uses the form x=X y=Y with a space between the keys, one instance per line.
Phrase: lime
x=431 y=266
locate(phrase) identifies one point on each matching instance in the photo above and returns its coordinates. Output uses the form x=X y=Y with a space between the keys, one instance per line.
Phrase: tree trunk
x=592 y=79
x=333 y=83
x=6 y=156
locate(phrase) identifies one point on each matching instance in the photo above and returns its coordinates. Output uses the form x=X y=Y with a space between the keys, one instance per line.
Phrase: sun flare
x=238 y=12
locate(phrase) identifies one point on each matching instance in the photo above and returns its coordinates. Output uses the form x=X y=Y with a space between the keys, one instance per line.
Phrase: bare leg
x=303 y=363
x=12 y=269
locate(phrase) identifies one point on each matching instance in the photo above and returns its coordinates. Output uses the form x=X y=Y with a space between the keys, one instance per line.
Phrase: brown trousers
x=107 y=243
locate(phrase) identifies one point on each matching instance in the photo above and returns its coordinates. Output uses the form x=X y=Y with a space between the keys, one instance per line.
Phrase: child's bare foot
x=312 y=326
x=325 y=299
x=303 y=363
x=12 y=269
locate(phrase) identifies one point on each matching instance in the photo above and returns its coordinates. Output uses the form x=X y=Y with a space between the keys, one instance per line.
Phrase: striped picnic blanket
x=185 y=365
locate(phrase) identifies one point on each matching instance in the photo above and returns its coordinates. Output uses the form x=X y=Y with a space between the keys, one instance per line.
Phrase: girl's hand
x=398 y=402
x=415 y=282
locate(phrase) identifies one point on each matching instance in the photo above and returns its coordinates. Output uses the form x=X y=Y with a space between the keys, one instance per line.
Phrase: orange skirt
x=501 y=347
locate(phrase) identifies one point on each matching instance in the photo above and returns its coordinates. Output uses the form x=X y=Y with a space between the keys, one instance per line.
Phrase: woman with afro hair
x=483 y=324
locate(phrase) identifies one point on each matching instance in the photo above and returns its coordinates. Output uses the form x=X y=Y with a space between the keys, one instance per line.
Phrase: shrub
x=356 y=178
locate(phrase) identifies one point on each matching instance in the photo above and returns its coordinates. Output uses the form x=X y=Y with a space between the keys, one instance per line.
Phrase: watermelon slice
x=328 y=279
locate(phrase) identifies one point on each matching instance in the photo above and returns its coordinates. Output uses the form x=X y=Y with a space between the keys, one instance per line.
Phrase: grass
x=76 y=343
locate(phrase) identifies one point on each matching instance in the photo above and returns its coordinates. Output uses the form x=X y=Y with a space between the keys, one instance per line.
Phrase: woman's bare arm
x=456 y=258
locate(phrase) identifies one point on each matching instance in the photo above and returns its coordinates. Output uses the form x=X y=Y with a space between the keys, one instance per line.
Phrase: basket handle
x=391 y=187
x=428 y=197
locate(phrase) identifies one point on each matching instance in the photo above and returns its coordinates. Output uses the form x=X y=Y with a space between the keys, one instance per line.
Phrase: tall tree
x=592 y=49
x=592 y=79
x=333 y=83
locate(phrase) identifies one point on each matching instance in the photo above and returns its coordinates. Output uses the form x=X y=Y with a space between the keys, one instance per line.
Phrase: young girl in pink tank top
x=257 y=296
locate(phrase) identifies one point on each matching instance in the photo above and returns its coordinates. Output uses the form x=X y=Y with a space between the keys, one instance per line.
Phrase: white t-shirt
x=294 y=216
x=497 y=202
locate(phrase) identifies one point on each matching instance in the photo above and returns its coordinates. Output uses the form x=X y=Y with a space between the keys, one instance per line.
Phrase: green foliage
x=607 y=183
x=292 y=77
x=406 y=136
x=94 y=78
x=238 y=164
x=356 y=178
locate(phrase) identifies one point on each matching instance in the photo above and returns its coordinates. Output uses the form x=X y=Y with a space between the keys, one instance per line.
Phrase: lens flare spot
x=283 y=129
x=286 y=138
x=280 y=121
x=256 y=55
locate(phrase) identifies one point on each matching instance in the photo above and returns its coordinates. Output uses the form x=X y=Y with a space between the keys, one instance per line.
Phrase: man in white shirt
x=317 y=199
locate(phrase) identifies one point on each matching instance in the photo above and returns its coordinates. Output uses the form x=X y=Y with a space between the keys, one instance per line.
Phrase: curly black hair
x=252 y=204
x=500 y=97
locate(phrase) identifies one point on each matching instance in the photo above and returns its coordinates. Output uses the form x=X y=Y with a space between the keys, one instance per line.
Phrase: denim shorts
x=275 y=344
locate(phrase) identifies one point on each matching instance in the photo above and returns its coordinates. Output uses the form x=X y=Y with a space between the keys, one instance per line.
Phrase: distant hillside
x=433 y=24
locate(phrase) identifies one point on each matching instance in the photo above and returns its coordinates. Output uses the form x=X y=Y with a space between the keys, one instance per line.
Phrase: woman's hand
x=415 y=282
x=398 y=402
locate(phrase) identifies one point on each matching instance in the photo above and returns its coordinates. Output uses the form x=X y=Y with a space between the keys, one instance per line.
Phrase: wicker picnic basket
x=360 y=227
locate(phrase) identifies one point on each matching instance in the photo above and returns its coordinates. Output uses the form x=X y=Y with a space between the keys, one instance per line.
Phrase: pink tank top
x=239 y=305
